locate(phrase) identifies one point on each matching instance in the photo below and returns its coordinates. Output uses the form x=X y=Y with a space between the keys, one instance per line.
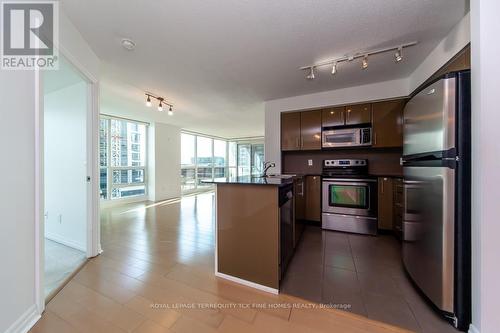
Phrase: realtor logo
x=30 y=32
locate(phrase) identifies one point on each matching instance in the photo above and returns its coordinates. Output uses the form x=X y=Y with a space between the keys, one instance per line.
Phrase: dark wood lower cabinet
x=390 y=205
x=300 y=205
x=385 y=203
x=398 y=208
x=313 y=198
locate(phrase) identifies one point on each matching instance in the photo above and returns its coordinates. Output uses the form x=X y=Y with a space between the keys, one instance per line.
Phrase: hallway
x=156 y=275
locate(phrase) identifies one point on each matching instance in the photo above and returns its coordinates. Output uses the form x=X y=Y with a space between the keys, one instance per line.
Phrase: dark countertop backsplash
x=381 y=162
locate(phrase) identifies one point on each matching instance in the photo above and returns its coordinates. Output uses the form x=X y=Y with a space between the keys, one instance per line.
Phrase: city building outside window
x=123 y=158
x=206 y=158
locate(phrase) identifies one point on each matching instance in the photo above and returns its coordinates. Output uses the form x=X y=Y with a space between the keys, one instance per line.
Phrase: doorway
x=67 y=162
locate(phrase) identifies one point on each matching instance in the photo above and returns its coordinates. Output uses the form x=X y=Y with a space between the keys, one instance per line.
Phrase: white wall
x=164 y=162
x=65 y=158
x=18 y=97
x=485 y=26
x=455 y=41
x=75 y=48
x=17 y=198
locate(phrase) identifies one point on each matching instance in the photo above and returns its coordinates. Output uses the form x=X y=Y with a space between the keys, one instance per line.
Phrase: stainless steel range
x=349 y=197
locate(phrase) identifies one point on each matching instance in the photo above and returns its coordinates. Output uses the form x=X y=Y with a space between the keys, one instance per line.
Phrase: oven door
x=350 y=197
x=341 y=138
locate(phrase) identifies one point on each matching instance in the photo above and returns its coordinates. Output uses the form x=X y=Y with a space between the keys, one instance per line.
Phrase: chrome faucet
x=267 y=166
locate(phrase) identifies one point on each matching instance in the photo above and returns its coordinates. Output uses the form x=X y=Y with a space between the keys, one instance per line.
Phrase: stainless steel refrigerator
x=436 y=219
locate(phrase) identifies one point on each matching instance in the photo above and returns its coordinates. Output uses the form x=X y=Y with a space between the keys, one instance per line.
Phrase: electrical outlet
x=310 y=162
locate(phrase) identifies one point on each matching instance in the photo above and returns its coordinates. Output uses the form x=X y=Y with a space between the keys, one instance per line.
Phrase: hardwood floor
x=156 y=274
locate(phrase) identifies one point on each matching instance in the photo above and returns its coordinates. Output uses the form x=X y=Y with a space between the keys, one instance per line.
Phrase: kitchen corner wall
x=274 y=108
x=455 y=41
x=164 y=149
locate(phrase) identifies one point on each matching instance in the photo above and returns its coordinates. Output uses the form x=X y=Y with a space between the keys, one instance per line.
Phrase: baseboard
x=64 y=241
x=473 y=329
x=247 y=283
x=24 y=323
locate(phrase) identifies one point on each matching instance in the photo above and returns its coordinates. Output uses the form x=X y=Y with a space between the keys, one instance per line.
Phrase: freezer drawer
x=429 y=119
x=428 y=231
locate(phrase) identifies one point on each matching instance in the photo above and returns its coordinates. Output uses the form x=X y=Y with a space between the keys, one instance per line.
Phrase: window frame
x=227 y=167
x=110 y=169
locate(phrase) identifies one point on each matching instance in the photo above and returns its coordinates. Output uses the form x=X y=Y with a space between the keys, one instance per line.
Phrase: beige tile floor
x=364 y=272
x=157 y=275
x=60 y=262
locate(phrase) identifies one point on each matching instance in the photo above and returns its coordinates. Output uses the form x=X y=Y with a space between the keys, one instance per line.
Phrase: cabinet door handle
x=348 y=115
x=301 y=142
x=297 y=144
x=375 y=138
x=382 y=186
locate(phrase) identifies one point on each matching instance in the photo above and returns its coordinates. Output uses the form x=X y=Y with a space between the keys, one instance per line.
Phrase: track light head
x=364 y=64
x=148 y=102
x=160 y=107
x=398 y=56
x=170 y=111
x=334 y=68
x=311 y=75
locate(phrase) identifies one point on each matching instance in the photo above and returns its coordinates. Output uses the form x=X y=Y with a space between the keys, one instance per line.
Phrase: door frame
x=93 y=224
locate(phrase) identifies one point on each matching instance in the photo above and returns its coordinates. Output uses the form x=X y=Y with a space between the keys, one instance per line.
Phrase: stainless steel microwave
x=347 y=137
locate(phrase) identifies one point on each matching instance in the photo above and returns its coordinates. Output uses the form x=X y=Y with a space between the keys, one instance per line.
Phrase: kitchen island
x=254 y=230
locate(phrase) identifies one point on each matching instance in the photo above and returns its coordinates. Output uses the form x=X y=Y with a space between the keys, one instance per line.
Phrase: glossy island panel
x=247 y=227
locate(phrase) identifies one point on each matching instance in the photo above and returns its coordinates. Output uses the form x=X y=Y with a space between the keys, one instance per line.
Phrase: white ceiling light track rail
x=161 y=103
x=398 y=56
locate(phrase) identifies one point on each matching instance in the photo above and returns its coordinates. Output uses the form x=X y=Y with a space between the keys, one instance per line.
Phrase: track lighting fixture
x=334 y=68
x=311 y=75
x=161 y=101
x=398 y=56
x=364 y=64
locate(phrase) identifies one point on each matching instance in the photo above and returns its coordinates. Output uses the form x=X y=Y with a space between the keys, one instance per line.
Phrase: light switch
x=310 y=162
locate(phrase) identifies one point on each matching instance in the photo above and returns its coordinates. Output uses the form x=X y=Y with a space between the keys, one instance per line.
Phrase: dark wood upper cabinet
x=333 y=117
x=358 y=114
x=290 y=131
x=310 y=130
x=388 y=124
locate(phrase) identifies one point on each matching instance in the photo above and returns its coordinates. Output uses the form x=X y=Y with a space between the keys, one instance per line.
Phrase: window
x=122 y=150
x=206 y=158
x=188 y=162
x=232 y=159
x=220 y=158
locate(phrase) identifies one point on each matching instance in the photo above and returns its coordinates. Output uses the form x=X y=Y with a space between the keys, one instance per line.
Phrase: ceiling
x=218 y=61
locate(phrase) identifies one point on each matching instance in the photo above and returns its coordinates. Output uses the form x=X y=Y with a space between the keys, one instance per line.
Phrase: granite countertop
x=248 y=180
